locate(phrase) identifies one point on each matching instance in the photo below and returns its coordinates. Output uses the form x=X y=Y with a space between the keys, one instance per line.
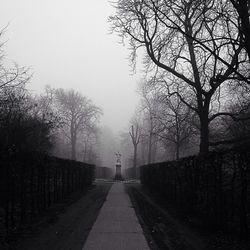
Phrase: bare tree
x=88 y=142
x=44 y=107
x=13 y=76
x=149 y=108
x=174 y=123
x=169 y=120
x=77 y=113
x=189 y=42
x=226 y=132
x=135 y=135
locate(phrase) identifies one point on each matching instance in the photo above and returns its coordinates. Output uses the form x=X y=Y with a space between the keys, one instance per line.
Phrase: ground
x=162 y=231
x=67 y=228
x=167 y=228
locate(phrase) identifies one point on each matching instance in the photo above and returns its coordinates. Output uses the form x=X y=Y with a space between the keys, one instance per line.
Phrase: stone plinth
x=118 y=173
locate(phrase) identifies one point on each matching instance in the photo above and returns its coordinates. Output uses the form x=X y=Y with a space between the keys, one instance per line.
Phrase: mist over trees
x=77 y=119
x=195 y=56
x=107 y=145
x=194 y=94
x=78 y=116
x=58 y=122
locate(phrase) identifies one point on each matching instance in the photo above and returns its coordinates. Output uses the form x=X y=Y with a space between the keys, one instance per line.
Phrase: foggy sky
x=67 y=45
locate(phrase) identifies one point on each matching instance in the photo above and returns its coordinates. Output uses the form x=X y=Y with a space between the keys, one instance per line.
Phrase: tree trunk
x=177 y=138
x=73 y=148
x=243 y=10
x=150 y=147
x=73 y=133
x=204 y=133
x=150 y=141
x=177 y=155
x=154 y=150
x=143 y=152
x=135 y=160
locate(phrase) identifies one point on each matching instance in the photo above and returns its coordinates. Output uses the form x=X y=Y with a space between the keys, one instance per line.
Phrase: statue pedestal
x=118 y=173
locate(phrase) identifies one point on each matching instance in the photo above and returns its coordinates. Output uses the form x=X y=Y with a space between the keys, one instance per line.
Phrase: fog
x=67 y=45
x=91 y=149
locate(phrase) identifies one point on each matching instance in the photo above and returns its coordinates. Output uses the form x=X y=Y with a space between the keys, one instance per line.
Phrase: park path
x=116 y=227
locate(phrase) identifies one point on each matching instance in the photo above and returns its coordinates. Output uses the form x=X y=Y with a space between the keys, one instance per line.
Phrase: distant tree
x=174 y=123
x=125 y=146
x=169 y=119
x=228 y=132
x=135 y=135
x=88 y=143
x=44 y=107
x=77 y=113
x=149 y=108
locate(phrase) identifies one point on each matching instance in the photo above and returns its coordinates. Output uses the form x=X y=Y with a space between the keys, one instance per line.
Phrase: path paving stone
x=116 y=227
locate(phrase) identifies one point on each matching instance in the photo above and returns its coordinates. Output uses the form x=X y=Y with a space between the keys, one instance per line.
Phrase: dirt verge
x=159 y=227
x=169 y=229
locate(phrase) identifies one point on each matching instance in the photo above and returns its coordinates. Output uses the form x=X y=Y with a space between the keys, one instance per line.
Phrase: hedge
x=31 y=183
x=214 y=189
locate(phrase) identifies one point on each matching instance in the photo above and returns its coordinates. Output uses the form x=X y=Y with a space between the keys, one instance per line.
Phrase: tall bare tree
x=135 y=135
x=77 y=113
x=189 y=42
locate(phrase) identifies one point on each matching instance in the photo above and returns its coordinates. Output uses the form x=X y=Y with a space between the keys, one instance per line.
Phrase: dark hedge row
x=215 y=189
x=30 y=183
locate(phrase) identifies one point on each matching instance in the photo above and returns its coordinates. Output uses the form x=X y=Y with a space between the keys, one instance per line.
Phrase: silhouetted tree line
x=21 y=129
x=213 y=189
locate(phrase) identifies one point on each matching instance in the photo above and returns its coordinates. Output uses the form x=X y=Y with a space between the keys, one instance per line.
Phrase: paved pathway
x=116 y=227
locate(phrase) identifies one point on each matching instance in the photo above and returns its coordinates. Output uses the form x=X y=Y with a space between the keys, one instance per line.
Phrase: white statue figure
x=118 y=158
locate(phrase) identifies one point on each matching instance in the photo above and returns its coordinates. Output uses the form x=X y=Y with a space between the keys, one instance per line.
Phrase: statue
x=118 y=174
x=118 y=158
